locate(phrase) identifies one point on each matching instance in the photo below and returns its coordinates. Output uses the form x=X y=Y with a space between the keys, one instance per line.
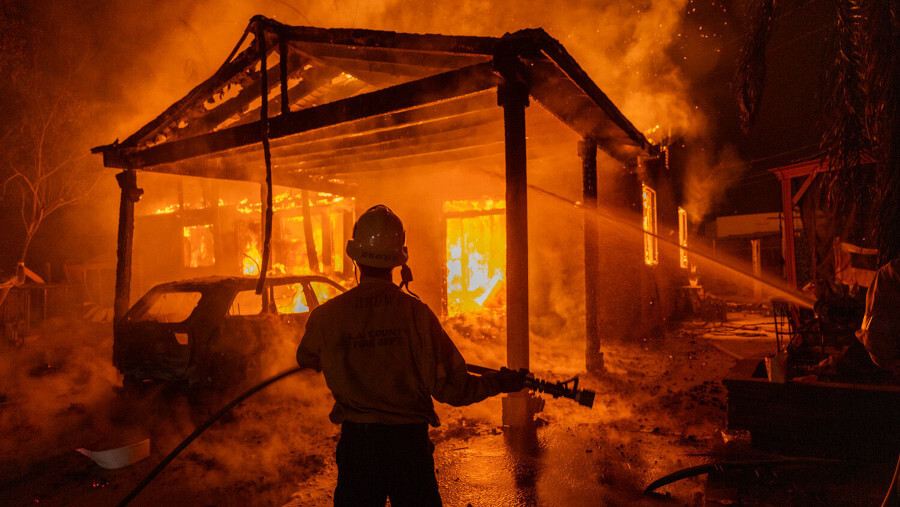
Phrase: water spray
x=788 y=293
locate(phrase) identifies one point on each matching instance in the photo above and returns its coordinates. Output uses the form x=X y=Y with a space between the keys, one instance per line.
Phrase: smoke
x=55 y=397
x=133 y=59
x=708 y=175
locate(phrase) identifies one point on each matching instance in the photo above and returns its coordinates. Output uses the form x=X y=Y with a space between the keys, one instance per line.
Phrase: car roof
x=238 y=282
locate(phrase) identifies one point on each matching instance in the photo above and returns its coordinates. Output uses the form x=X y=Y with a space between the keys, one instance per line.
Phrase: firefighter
x=384 y=356
x=880 y=330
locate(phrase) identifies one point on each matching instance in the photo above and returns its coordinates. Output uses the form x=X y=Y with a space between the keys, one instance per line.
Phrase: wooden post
x=518 y=408
x=263 y=195
x=587 y=150
x=327 y=242
x=348 y=233
x=513 y=97
x=790 y=259
x=283 y=74
x=813 y=246
x=311 y=254
x=130 y=194
x=756 y=257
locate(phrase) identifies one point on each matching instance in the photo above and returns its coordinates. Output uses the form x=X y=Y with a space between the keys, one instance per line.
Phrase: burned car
x=215 y=332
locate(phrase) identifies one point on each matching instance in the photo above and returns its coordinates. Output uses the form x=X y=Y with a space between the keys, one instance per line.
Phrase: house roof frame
x=555 y=80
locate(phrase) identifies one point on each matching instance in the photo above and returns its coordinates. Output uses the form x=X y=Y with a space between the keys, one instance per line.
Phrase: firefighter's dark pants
x=377 y=461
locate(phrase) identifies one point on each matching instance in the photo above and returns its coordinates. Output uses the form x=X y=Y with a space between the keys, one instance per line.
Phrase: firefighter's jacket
x=384 y=355
x=880 y=331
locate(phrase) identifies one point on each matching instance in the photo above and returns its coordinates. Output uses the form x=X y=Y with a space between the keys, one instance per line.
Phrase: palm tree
x=860 y=104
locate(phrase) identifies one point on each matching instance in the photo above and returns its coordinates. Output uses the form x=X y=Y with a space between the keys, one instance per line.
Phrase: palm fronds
x=750 y=77
x=860 y=101
x=861 y=105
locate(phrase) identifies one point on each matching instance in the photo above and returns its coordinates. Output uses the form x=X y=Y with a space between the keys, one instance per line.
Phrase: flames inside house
x=476 y=254
x=224 y=238
x=310 y=232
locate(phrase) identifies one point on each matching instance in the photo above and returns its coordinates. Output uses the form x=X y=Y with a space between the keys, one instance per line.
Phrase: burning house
x=520 y=183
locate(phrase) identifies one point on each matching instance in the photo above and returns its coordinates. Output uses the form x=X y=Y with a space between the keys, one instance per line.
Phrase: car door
x=153 y=341
x=292 y=306
x=236 y=349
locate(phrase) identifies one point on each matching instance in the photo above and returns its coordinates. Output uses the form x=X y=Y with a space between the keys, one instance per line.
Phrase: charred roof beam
x=416 y=58
x=464 y=81
x=465 y=45
x=387 y=126
x=413 y=137
x=250 y=92
x=231 y=71
x=235 y=171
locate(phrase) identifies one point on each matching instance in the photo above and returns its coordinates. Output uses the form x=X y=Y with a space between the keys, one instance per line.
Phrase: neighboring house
x=834 y=246
x=753 y=239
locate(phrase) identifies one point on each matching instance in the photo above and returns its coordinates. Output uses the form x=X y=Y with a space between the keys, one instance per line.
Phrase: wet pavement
x=660 y=407
x=519 y=467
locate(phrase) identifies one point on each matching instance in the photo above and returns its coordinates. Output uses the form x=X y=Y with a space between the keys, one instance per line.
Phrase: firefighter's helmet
x=378 y=239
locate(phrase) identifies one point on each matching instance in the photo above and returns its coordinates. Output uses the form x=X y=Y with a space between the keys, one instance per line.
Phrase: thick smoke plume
x=707 y=177
x=136 y=58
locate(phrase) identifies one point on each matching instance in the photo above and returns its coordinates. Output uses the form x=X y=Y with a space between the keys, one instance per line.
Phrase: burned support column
x=518 y=408
x=130 y=194
x=587 y=150
x=787 y=203
x=312 y=257
x=513 y=97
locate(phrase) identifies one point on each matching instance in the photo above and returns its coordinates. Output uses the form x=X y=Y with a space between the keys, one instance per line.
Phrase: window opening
x=170 y=307
x=651 y=248
x=324 y=291
x=682 y=238
x=290 y=298
x=476 y=254
x=246 y=302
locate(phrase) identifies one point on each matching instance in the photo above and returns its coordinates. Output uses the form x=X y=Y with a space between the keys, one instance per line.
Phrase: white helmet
x=378 y=239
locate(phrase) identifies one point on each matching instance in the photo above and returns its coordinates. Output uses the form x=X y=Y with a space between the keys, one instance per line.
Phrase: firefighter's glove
x=511 y=381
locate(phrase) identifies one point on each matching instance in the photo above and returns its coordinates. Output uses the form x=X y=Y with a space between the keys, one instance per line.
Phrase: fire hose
x=557 y=389
x=200 y=429
x=724 y=466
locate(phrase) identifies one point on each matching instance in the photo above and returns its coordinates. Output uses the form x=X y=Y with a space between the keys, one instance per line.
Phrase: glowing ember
x=476 y=253
x=172 y=208
x=651 y=249
x=682 y=238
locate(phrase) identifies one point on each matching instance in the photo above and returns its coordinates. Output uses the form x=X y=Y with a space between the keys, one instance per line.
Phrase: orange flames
x=252 y=257
x=651 y=248
x=476 y=254
x=198 y=246
x=682 y=238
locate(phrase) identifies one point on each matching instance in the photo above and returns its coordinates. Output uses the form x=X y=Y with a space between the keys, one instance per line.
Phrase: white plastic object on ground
x=121 y=457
